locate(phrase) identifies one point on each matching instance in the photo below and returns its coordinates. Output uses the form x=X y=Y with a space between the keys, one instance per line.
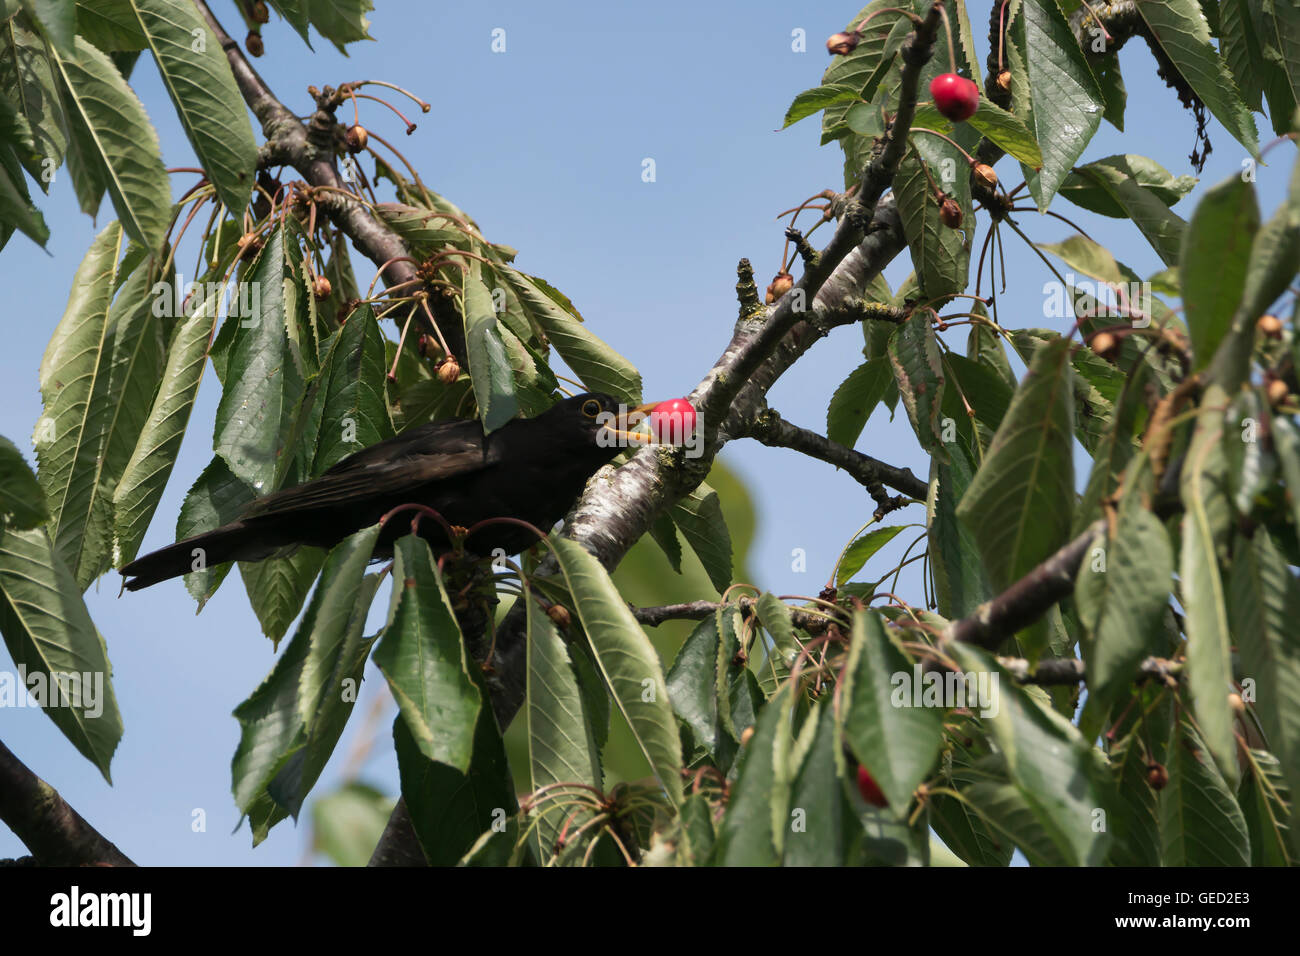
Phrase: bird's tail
x=232 y=542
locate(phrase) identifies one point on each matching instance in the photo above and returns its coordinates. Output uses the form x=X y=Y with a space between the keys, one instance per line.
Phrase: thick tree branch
x=54 y=832
x=699 y=610
x=1028 y=599
x=773 y=430
x=1071 y=670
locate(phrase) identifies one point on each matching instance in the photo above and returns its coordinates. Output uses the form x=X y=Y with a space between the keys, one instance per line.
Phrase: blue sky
x=543 y=145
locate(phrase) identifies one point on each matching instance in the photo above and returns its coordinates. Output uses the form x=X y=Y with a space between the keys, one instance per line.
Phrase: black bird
x=532 y=468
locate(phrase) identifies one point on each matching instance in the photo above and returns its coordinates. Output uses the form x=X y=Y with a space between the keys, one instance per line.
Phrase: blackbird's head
x=597 y=419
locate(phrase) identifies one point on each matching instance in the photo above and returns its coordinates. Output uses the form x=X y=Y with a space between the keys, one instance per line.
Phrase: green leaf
x=1265 y=802
x=855 y=399
x=489 y=368
x=1088 y=257
x=1281 y=33
x=893 y=735
x=1179 y=27
x=354 y=412
x=1205 y=524
x=22 y=500
x=1200 y=821
x=627 y=660
x=1133 y=807
x=1068 y=104
x=561 y=745
x=1050 y=764
x=51 y=637
x=693 y=691
x=960 y=578
x=1264 y=601
x=699 y=518
x=1274 y=257
x=1119 y=181
x=868 y=61
x=284 y=739
x=58 y=17
x=199 y=81
x=332 y=672
x=277 y=587
x=599 y=367
x=1086 y=187
x=860 y=551
x=1214 y=261
x=97 y=381
x=822 y=822
x=146 y=472
x=1286 y=441
x=217 y=497
x=450 y=810
x=262 y=382
x=112 y=144
x=1121 y=594
x=939 y=254
x=347 y=824
x=276 y=714
x=1113 y=451
x=110 y=25
x=27 y=82
x=918 y=370
x=1008 y=132
x=340 y=21
x=16 y=209
x=963 y=827
x=423 y=657
x=1019 y=504
x=817 y=99
x=1111 y=83
x=423 y=229
x=747 y=835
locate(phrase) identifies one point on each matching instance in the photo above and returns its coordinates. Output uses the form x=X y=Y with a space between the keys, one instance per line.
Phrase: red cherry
x=954 y=96
x=867 y=787
x=672 y=421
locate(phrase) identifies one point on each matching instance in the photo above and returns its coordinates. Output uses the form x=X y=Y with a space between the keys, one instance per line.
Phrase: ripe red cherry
x=954 y=96
x=867 y=787
x=672 y=421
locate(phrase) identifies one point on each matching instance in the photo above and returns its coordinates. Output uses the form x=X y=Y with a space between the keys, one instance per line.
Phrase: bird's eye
x=591 y=408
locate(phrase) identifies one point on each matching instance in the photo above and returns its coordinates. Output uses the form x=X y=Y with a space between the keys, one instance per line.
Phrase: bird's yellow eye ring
x=591 y=408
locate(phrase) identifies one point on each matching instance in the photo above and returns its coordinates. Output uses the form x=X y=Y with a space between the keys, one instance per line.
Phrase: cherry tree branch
x=1028 y=599
x=55 y=833
x=699 y=610
x=771 y=429
x=1071 y=670
x=309 y=148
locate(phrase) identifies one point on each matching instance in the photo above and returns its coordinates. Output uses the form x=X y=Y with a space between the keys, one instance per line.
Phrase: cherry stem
x=947 y=29
x=424 y=107
x=870 y=16
x=422 y=510
x=424 y=302
x=380 y=271
x=921 y=129
x=410 y=127
x=1097 y=17
x=401 y=342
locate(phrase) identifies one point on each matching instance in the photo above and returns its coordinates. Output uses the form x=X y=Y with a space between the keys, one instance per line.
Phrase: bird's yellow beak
x=633 y=416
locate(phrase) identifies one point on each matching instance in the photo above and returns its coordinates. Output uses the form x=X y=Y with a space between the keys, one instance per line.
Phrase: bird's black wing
x=422 y=454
